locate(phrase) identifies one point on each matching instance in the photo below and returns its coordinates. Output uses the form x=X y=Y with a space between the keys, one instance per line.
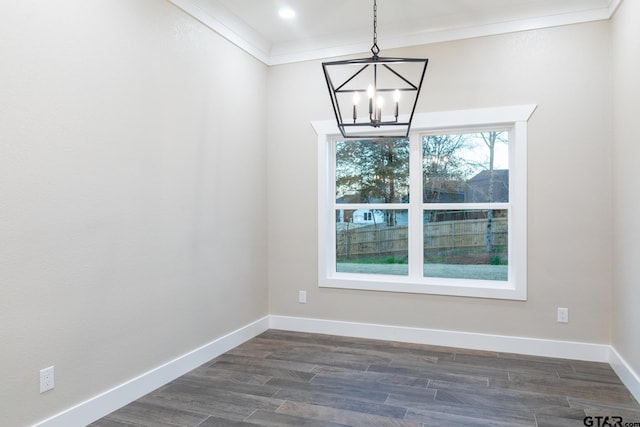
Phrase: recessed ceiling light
x=287 y=13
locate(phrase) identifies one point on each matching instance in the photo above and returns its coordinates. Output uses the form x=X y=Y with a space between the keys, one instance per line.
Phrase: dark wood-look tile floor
x=296 y=379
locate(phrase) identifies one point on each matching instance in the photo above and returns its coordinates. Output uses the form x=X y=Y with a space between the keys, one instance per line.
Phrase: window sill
x=432 y=286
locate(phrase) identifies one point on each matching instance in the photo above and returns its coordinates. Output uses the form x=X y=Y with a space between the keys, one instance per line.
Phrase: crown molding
x=237 y=32
x=229 y=27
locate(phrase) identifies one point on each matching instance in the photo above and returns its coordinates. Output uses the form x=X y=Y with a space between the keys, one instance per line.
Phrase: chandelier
x=375 y=97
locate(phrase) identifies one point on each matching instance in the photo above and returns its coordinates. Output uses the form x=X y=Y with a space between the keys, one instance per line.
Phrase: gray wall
x=626 y=200
x=132 y=195
x=136 y=209
x=567 y=72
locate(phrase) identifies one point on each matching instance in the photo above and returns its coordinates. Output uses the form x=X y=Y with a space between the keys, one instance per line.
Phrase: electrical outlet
x=563 y=315
x=302 y=297
x=46 y=379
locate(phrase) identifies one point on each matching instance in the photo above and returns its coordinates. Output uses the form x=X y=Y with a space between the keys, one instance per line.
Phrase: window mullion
x=415 y=207
x=466 y=206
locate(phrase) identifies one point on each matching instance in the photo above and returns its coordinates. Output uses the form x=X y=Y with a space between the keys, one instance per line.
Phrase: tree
x=490 y=139
x=444 y=170
x=373 y=171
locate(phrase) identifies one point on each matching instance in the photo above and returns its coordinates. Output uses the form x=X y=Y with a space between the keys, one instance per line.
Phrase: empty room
x=319 y=213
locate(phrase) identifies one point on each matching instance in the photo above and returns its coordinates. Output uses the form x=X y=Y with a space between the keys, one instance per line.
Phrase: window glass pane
x=466 y=244
x=372 y=241
x=466 y=168
x=372 y=171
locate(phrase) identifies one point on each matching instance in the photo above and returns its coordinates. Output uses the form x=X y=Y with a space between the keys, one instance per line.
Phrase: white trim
x=629 y=377
x=103 y=404
x=298 y=52
x=416 y=246
x=519 y=201
x=515 y=288
x=613 y=7
x=232 y=29
x=475 y=341
x=589 y=352
x=453 y=118
x=242 y=35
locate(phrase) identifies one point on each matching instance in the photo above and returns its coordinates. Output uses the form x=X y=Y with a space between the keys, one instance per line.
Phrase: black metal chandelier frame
x=350 y=125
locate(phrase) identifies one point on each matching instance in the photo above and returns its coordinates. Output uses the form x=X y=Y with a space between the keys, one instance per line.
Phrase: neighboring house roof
x=443 y=190
x=477 y=189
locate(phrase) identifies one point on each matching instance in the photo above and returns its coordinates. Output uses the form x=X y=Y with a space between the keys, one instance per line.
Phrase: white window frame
x=513 y=118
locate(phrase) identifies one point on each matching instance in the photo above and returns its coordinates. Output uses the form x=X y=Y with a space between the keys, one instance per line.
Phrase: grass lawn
x=453 y=271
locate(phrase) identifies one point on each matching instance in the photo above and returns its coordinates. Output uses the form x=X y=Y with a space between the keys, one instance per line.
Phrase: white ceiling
x=329 y=28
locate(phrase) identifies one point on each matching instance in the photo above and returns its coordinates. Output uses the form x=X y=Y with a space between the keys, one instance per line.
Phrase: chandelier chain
x=375 y=49
x=347 y=80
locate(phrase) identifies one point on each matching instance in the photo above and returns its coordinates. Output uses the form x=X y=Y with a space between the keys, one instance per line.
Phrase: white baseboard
x=628 y=376
x=498 y=343
x=107 y=402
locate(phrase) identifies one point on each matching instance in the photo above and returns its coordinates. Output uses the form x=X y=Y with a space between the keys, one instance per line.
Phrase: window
x=442 y=212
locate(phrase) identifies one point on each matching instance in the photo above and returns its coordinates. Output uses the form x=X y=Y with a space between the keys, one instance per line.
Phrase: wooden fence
x=444 y=237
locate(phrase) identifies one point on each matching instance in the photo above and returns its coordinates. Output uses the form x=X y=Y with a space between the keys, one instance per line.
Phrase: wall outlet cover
x=46 y=379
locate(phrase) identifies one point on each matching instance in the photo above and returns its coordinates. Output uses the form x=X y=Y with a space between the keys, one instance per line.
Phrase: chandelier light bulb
x=356 y=99
x=370 y=91
x=379 y=104
x=396 y=98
